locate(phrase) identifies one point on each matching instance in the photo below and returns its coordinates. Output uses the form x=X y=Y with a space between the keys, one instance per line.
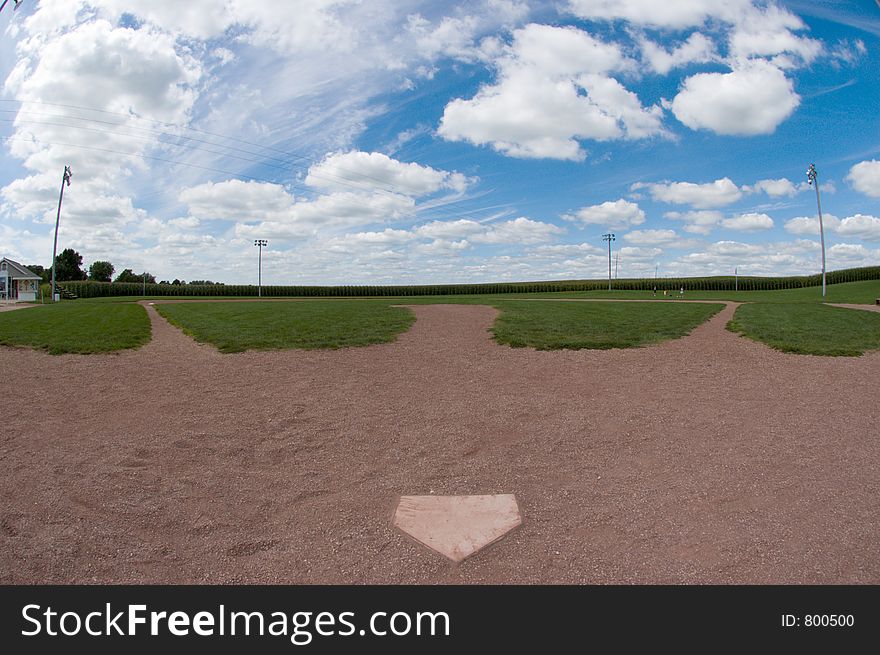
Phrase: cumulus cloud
x=697 y=222
x=268 y=210
x=697 y=49
x=650 y=13
x=236 y=200
x=368 y=170
x=650 y=237
x=777 y=188
x=701 y=196
x=865 y=178
x=809 y=225
x=860 y=226
x=552 y=90
x=751 y=222
x=752 y=99
x=521 y=230
x=769 y=31
x=615 y=214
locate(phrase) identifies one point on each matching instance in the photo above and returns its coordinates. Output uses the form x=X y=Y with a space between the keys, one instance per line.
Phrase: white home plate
x=457 y=526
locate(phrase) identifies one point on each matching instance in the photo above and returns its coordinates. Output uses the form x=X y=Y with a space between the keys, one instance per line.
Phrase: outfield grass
x=71 y=327
x=596 y=325
x=809 y=329
x=236 y=327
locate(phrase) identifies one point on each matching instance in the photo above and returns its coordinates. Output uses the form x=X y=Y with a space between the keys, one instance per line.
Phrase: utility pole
x=260 y=243
x=616 y=264
x=813 y=177
x=609 y=238
x=65 y=179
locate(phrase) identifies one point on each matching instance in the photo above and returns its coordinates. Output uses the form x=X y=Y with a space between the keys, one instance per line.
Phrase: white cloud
x=450 y=229
x=701 y=196
x=769 y=31
x=552 y=91
x=809 y=225
x=651 y=237
x=752 y=99
x=676 y=15
x=850 y=255
x=861 y=227
x=697 y=49
x=374 y=170
x=777 y=188
x=612 y=214
x=748 y=222
x=236 y=200
x=569 y=250
x=865 y=178
x=697 y=222
x=521 y=230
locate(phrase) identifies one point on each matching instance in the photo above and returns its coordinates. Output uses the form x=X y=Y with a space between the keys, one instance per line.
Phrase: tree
x=42 y=272
x=128 y=276
x=67 y=266
x=101 y=271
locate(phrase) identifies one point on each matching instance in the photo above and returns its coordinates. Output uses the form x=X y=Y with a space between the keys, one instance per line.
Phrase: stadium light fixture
x=813 y=179
x=260 y=243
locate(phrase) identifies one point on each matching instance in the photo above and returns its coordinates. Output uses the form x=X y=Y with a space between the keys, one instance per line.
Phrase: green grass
x=809 y=329
x=550 y=326
x=236 y=327
x=69 y=327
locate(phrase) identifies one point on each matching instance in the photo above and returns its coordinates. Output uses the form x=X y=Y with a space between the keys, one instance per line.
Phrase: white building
x=17 y=282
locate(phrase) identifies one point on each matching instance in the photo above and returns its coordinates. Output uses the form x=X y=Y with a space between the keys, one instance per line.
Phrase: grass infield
x=236 y=327
x=809 y=329
x=70 y=327
x=596 y=325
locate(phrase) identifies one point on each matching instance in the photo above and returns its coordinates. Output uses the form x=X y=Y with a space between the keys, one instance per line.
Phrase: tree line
x=69 y=268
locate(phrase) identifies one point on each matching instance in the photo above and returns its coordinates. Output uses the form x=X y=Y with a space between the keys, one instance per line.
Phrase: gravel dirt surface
x=709 y=459
x=12 y=306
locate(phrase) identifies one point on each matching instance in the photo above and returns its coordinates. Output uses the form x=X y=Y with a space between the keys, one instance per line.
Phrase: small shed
x=17 y=282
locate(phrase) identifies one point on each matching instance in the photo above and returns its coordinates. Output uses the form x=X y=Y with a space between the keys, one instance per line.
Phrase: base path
x=709 y=459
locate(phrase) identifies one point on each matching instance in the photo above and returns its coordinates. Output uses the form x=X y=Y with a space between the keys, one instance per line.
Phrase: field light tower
x=813 y=178
x=65 y=179
x=260 y=243
x=609 y=238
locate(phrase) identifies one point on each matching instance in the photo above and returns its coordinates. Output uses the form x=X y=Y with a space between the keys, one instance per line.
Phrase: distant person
x=664 y=293
x=655 y=291
x=681 y=292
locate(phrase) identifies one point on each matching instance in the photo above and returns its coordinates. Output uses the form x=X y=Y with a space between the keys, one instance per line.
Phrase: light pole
x=609 y=238
x=65 y=179
x=260 y=243
x=813 y=177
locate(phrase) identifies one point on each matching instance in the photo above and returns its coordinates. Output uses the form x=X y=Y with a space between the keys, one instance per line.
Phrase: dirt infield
x=707 y=459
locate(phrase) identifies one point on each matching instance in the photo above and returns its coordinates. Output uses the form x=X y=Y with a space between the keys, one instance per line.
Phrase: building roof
x=22 y=272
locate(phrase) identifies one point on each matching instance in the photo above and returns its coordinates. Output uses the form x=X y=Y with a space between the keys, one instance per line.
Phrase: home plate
x=457 y=526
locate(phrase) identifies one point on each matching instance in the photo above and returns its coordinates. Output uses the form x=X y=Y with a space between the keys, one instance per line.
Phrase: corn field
x=88 y=289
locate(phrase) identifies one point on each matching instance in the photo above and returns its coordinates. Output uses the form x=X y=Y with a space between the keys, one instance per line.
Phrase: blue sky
x=416 y=142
